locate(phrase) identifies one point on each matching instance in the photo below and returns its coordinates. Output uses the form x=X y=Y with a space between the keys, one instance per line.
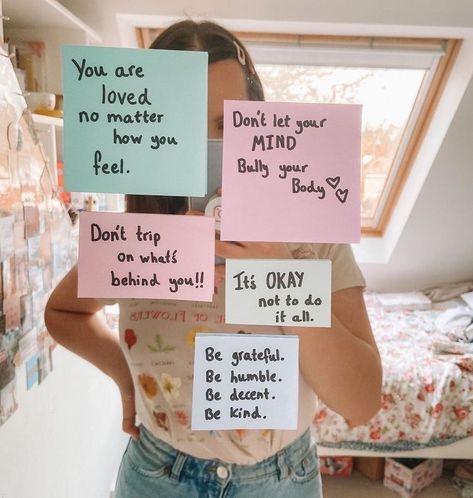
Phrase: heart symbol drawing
x=333 y=182
x=342 y=195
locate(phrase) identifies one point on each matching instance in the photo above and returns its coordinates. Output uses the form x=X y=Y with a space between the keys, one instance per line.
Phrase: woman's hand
x=252 y=250
x=244 y=250
x=129 y=413
x=124 y=382
x=219 y=274
x=248 y=250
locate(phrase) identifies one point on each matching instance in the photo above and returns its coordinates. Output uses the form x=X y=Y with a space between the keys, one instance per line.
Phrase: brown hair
x=220 y=45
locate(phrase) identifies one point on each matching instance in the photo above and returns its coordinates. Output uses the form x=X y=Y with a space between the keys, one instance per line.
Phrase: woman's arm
x=340 y=363
x=76 y=324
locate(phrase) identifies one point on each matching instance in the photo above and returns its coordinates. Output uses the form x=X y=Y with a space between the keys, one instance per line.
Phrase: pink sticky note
x=291 y=172
x=128 y=255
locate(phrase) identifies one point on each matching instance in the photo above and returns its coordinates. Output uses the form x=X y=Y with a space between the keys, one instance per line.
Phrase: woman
x=151 y=362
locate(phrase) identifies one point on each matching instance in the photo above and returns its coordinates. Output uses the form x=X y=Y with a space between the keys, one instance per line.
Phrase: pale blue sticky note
x=135 y=121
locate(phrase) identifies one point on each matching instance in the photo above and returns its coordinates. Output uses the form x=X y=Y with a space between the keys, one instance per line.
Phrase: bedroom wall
x=436 y=245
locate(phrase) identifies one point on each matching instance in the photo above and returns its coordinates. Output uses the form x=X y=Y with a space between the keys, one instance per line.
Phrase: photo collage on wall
x=36 y=247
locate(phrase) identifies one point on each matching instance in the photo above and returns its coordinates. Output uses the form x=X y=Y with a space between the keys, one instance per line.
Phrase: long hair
x=220 y=45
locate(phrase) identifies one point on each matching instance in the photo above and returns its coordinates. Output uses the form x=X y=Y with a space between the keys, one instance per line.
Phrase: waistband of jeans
x=187 y=465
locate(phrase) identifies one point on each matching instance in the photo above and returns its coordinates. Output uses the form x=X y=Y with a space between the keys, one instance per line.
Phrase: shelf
x=48 y=120
x=49 y=14
x=49 y=22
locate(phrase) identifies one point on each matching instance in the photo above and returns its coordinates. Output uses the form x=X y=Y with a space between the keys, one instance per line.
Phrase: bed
x=427 y=395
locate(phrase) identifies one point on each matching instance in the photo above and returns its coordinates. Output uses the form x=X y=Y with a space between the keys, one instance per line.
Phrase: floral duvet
x=427 y=398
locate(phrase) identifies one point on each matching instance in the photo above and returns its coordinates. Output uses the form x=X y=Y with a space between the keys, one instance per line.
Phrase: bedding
x=449 y=291
x=427 y=395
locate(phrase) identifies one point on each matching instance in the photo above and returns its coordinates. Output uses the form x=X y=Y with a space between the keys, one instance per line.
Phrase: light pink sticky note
x=128 y=255
x=291 y=172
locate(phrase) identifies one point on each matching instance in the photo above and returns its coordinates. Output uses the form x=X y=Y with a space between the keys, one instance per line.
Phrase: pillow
x=404 y=301
x=468 y=298
x=449 y=291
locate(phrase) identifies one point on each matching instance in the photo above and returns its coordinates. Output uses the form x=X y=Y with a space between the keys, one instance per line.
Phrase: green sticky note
x=135 y=121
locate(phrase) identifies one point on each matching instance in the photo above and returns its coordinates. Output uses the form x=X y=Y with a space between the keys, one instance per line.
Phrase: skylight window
x=388 y=97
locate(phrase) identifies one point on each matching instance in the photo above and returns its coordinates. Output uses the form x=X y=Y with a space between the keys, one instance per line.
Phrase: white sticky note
x=245 y=381
x=285 y=292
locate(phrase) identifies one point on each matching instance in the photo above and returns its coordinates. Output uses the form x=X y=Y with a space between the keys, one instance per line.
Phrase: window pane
x=387 y=95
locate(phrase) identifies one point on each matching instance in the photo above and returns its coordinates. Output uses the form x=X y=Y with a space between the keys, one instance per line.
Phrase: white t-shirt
x=157 y=337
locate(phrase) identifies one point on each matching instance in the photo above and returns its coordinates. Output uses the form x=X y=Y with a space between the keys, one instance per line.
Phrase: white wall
x=436 y=245
x=65 y=440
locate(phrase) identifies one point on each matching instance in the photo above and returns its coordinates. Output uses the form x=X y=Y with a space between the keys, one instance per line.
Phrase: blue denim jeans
x=151 y=468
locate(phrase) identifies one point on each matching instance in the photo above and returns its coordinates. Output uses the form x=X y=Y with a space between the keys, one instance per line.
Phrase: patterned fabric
x=427 y=399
